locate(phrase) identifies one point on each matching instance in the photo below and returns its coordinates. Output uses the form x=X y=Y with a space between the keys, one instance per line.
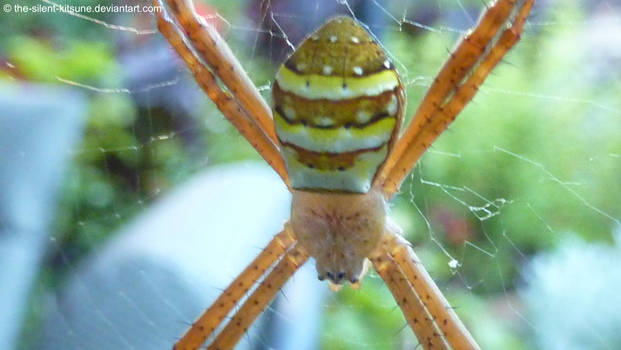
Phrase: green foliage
x=79 y=60
x=364 y=319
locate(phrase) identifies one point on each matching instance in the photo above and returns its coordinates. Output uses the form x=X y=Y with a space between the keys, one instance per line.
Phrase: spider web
x=515 y=210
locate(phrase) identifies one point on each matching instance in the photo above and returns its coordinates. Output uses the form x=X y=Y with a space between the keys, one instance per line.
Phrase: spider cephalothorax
x=339 y=230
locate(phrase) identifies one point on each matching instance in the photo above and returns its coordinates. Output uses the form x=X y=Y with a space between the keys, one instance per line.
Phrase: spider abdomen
x=338 y=103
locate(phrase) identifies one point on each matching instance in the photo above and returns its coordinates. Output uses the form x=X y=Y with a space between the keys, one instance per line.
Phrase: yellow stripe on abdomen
x=335 y=140
x=338 y=103
x=334 y=87
x=334 y=174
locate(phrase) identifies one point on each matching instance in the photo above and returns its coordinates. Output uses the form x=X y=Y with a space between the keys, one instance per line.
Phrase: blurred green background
x=533 y=160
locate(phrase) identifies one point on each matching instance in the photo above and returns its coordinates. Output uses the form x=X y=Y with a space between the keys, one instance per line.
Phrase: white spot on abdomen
x=392 y=106
x=363 y=116
x=289 y=112
x=323 y=121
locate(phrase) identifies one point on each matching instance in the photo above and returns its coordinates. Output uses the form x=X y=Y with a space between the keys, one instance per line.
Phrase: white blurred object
x=573 y=296
x=39 y=127
x=162 y=271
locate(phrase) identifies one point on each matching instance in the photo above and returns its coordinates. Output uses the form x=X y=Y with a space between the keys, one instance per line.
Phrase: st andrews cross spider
x=333 y=137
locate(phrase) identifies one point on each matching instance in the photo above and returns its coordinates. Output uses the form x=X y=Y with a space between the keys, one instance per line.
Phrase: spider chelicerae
x=333 y=137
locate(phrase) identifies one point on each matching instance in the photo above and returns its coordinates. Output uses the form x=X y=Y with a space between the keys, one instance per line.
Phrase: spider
x=332 y=135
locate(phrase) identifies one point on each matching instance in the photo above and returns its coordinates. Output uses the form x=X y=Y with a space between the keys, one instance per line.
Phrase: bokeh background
x=115 y=165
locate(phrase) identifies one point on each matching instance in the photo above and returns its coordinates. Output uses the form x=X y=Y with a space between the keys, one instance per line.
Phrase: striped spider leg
x=338 y=103
x=473 y=59
x=281 y=257
x=456 y=84
x=209 y=58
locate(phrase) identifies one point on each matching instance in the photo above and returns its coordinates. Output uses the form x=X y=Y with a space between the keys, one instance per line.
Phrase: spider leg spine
x=446 y=97
x=260 y=298
x=209 y=321
x=213 y=50
x=412 y=306
x=430 y=295
x=234 y=113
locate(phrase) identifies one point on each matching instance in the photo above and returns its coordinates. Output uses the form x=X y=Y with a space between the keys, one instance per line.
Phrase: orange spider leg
x=451 y=327
x=256 y=302
x=215 y=315
x=213 y=50
x=454 y=87
x=410 y=303
x=236 y=115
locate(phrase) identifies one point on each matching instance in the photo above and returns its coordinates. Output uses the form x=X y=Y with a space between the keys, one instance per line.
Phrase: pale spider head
x=339 y=230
